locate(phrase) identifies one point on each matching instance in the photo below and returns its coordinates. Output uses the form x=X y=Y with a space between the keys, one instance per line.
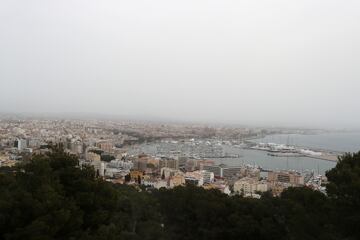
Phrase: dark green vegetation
x=107 y=157
x=52 y=198
x=97 y=151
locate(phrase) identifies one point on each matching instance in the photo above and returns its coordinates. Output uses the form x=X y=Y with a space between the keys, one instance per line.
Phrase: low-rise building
x=222 y=186
x=195 y=178
x=135 y=175
x=250 y=186
x=290 y=177
x=166 y=173
x=91 y=156
x=223 y=171
x=208 y=177
x=160 y=184
x=177 y=180
x=99 y=167
x=105 y=146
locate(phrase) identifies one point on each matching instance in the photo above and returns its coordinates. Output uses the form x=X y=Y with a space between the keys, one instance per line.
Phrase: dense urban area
x=182 y=153
x=62 y=179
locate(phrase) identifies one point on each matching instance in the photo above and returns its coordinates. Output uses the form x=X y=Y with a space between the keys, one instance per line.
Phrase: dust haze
x=280 y=62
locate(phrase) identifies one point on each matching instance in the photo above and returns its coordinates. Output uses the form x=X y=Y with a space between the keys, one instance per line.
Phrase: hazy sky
x=275 y=62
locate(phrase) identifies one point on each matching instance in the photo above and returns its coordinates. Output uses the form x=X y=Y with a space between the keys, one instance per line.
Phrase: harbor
x=235 y=154
x=284 y=150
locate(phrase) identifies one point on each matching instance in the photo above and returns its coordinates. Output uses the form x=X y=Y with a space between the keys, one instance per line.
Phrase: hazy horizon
x=163 y=120
x=282 y=63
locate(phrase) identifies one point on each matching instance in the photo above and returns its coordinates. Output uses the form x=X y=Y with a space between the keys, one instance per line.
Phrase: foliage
x=107 y=158
x=344 y=192
x=150 y=165
x=97 y=151
x=50 y=197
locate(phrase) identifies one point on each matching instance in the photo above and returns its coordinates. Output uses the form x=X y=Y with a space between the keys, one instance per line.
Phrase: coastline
x=326 y=154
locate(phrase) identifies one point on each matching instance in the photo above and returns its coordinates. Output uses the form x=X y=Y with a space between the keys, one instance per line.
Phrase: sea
x=263 y=160
x=335 y=141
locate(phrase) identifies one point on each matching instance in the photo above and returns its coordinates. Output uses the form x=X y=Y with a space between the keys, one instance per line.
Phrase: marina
x=237 y=154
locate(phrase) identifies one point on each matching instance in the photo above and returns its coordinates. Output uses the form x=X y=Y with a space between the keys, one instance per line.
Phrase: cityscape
x=160 y=155
x=179 y=120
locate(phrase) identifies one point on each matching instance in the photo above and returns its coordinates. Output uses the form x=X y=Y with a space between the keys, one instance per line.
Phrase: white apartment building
x=249 y=186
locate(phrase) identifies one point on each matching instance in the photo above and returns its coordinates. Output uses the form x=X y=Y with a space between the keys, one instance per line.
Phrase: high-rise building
x=140 y=164
x=76 y=147
x=22 y=144
x=207 y=176
x=105 y=146
x=169 y=163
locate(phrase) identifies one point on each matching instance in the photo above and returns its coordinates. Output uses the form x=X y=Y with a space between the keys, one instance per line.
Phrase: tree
x=52 y=198
x=150 y=165
x=344 y=190
x=107 y=158
x=97 y=151
x=127 y=178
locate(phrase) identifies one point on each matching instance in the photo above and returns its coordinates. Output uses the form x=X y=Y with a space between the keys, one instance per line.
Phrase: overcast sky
x=274 y=62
